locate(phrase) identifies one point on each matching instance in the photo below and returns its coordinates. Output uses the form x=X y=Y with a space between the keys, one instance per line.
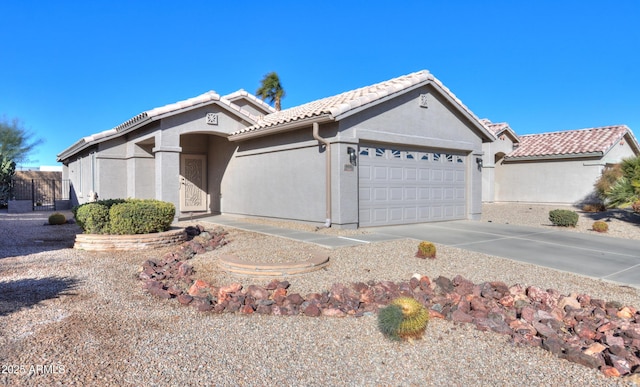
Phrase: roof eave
x=554 y=157
x=278 y=128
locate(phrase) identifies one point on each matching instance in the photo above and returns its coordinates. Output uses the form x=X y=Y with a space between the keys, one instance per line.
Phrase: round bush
x=57 y=218
x=563 y=218
x=600 y=226
x=137 y=216
x=93 y=218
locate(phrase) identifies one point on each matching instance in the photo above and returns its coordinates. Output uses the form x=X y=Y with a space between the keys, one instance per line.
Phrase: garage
x=398 y=185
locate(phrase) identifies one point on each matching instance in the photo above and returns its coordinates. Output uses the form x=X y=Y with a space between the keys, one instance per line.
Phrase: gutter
x=327 y=144
x=277 y=128
x=554 y=157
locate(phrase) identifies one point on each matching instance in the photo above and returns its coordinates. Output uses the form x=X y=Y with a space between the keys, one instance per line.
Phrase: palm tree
x=271 y=89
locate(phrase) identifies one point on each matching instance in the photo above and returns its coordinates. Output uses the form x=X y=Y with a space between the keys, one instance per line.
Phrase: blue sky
x=73 y=68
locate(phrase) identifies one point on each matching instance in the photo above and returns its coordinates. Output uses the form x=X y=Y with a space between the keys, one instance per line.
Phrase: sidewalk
x=328 y=241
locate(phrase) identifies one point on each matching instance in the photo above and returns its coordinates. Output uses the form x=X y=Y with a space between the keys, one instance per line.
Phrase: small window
x=460 y=159
x=410 y=156
x=436 y=157
x=424 y=157
x=448 y=158
x=380 y=152
x=364 y=152
x=396 y=154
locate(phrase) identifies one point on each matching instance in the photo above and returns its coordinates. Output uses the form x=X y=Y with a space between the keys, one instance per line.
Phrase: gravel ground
x=81 y=318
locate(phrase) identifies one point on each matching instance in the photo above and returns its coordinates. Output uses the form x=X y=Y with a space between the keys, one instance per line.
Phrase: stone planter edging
x=100 y=242
x=235 y=265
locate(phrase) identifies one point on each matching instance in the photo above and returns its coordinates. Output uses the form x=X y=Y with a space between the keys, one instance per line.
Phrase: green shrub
x=93 y=218
x=600 y=226
x=136 y=216
x=426 y=250
x=564 y=218
x=106 y=202
x=57 y=218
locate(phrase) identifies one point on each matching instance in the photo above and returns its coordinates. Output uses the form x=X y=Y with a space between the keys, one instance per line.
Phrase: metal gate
x=42 y=193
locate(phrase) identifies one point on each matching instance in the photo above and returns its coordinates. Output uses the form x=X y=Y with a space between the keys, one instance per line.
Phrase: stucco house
x=401 y=151
x=556 y=167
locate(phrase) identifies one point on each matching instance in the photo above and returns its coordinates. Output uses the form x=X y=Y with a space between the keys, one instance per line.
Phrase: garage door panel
x=396 y=173
x=410 y=174
x=411 y=193
x=399 y=186
x=396 y=193
x=379 y=194
x=425 y=174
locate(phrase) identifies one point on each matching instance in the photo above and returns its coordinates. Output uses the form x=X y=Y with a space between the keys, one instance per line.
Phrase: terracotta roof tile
x=569 y=143
x=498 y=128
x=337 y=105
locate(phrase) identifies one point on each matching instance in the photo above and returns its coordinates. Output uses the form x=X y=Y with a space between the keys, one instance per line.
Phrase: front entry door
x=193 y=183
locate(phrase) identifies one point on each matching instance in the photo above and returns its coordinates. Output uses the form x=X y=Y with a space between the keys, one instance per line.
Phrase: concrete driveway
x=597 y=256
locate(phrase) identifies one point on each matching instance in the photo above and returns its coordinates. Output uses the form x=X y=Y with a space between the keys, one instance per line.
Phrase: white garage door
x=398 y=186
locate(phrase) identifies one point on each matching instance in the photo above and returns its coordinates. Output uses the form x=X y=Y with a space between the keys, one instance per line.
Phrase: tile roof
x=497 y=128
x=243 y=93
x=570 y=143
x=173 y=108
x=344 y=103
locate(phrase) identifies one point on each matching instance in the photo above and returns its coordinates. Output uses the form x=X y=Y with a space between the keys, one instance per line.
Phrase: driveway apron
x=598 y=256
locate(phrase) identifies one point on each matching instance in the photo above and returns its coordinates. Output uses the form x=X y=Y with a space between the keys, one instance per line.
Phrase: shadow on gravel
x=623 y=215
x=25 y=293
x=38 y=237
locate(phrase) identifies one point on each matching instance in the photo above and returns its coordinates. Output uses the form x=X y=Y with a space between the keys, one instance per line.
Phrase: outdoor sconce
x=352 y=156
x=479 y=162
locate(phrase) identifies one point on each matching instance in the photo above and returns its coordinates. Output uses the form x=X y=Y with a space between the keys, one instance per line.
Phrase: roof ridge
x=578 y=130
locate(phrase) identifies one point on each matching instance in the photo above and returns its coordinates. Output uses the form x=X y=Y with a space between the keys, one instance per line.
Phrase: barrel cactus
x=403 y=319
x=600 y=226
x=57 y=218
x=426 y=250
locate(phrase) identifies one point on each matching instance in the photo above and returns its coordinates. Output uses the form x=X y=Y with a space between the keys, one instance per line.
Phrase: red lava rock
x=460 y=316
x=159 y=292
x=257 y=292
x=311 y=310
x=577 y=356
x=610 y=372
x=174 y=290
x=333 y=312
x=246 y=309
x=203 y=305
x=263 y=309
x=425 y=283
x=279 y=295
x=233 y=288
x=295 y=299
x=507 y=301
x=612 y=340
x=185 y=270
x=198 y=287
x=185 y=299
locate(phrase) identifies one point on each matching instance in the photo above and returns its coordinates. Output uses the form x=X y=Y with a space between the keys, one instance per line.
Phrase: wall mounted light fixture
x=479 y=162
x=352 y=156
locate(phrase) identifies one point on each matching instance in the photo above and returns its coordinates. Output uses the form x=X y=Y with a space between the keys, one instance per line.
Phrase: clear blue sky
x=69 y=69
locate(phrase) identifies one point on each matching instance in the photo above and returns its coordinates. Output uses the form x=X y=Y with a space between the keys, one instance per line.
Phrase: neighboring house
x=557 y=167
x=400 y=151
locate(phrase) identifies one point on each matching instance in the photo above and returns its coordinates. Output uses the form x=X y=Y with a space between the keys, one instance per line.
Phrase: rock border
x=101 y=242
x=578 y=328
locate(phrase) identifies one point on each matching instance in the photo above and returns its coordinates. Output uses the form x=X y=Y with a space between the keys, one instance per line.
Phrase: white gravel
x=105 y=330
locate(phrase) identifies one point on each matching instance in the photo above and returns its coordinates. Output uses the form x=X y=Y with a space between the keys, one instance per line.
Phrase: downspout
x=327 y=145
